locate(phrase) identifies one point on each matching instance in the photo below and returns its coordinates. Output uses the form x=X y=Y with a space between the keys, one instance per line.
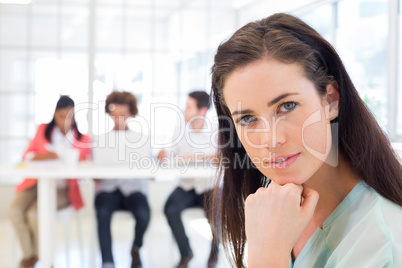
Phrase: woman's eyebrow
x=271 y=103
x=242 y=112
x=277 y=99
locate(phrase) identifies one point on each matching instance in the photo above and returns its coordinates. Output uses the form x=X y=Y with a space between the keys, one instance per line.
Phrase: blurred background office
x=160 y=50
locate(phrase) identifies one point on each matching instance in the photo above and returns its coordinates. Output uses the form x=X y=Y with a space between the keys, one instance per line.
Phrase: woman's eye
x=287 y=107
x=246 y=120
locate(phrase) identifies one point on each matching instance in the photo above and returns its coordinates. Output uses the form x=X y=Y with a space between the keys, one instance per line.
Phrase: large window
x=321 y=19
x=130 y=72
x=66 y=76
x=158 y=50
x=358 y=31
x=363 y=49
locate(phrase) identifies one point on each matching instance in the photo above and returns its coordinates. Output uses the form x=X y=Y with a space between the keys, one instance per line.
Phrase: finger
x=310 y=200
x=273 y=184
x=296 y=189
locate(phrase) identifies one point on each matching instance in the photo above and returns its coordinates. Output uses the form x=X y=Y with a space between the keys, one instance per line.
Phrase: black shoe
x=136 y=261
x=184 y=261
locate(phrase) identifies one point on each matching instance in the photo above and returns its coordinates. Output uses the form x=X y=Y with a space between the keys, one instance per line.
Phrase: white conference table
x=48 y=173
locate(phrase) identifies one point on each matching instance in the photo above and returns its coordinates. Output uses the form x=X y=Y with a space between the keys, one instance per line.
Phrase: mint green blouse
x=365 y=230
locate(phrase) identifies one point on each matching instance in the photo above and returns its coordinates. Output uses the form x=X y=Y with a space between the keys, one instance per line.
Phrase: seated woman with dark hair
x=61 y=134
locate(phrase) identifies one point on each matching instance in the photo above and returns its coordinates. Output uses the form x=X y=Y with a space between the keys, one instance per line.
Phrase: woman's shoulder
x=367 y=234
x=41 y=128
x=391 y=214
x=40 y=132
x=383 y=224
x=85 y=138
x=367 y=214
x=384 y=210
x=386 y=230
x=386 y=207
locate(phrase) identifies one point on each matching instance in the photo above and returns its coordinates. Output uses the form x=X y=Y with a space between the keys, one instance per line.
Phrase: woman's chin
x=282 y=180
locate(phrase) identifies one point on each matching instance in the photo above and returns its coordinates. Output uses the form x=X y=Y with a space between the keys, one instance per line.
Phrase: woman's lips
x=282 y=162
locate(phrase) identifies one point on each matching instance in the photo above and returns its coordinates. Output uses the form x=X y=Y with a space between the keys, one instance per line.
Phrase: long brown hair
x=361 y=141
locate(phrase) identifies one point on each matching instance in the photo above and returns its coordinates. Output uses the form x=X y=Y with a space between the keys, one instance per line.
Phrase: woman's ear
x=332 y=98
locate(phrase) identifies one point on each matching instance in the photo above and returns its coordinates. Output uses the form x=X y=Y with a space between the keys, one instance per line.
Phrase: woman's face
x=64 y=118
x=281 y=120
x=119 y=114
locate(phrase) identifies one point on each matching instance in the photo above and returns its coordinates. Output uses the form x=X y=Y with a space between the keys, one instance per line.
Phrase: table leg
x=46 y=212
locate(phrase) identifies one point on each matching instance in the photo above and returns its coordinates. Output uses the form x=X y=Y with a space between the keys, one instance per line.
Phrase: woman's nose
x=273 y=136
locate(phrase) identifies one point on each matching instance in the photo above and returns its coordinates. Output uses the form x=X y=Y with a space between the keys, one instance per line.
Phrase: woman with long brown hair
x=309 y=178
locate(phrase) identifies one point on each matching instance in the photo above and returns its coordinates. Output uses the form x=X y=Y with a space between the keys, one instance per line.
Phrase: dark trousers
x=178 y=201
x=106 y=204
